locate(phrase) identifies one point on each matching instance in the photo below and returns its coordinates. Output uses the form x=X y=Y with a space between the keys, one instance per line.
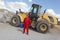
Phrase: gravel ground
x=8 y=32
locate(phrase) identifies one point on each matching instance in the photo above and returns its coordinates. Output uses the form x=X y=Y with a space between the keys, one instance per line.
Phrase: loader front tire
x=42 y=26
x=15 y=21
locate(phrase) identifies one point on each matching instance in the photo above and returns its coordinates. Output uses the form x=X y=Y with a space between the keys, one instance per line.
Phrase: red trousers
x=27 y=22
x=26 y=27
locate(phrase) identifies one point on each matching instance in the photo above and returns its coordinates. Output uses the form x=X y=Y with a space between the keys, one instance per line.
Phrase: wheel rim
x=14 y=20
x=33 y=24
x=43 y=27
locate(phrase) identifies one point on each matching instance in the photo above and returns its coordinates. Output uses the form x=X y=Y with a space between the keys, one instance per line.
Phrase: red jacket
x=27 y=21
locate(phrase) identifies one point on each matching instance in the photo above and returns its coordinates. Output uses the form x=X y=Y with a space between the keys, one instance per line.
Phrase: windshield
x=35 y=10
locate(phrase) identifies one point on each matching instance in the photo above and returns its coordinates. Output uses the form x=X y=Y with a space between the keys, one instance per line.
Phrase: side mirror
x=19 y=10
x=16 y=12
x=45 y=10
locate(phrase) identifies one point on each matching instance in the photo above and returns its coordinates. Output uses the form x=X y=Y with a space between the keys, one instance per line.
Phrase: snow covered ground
x=8 y=32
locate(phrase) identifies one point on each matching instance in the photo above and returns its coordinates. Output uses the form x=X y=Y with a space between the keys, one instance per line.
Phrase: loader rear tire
x=42 y=26
x=15 y=21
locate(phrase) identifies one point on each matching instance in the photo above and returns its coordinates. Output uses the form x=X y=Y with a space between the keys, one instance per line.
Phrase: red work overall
x=27 y=22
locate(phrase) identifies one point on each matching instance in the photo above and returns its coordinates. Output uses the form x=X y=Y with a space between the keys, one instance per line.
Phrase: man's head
x=27 y=15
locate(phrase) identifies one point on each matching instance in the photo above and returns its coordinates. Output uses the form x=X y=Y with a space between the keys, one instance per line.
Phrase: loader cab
x=35 y=9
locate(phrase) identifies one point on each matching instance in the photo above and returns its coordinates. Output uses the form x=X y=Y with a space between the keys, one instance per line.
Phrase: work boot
x=23 y=32
x=27 y=33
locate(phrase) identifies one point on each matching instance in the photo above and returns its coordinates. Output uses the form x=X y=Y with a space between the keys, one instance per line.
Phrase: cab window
x=35 y=10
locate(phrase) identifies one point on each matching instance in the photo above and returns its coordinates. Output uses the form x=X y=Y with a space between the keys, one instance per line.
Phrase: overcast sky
x=26 y=4
x=49 y=4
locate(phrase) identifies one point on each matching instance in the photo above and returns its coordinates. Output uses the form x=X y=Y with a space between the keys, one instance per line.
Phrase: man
x=27 y=22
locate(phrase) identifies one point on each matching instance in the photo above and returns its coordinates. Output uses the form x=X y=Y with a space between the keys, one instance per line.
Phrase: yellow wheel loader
x=41 y=21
